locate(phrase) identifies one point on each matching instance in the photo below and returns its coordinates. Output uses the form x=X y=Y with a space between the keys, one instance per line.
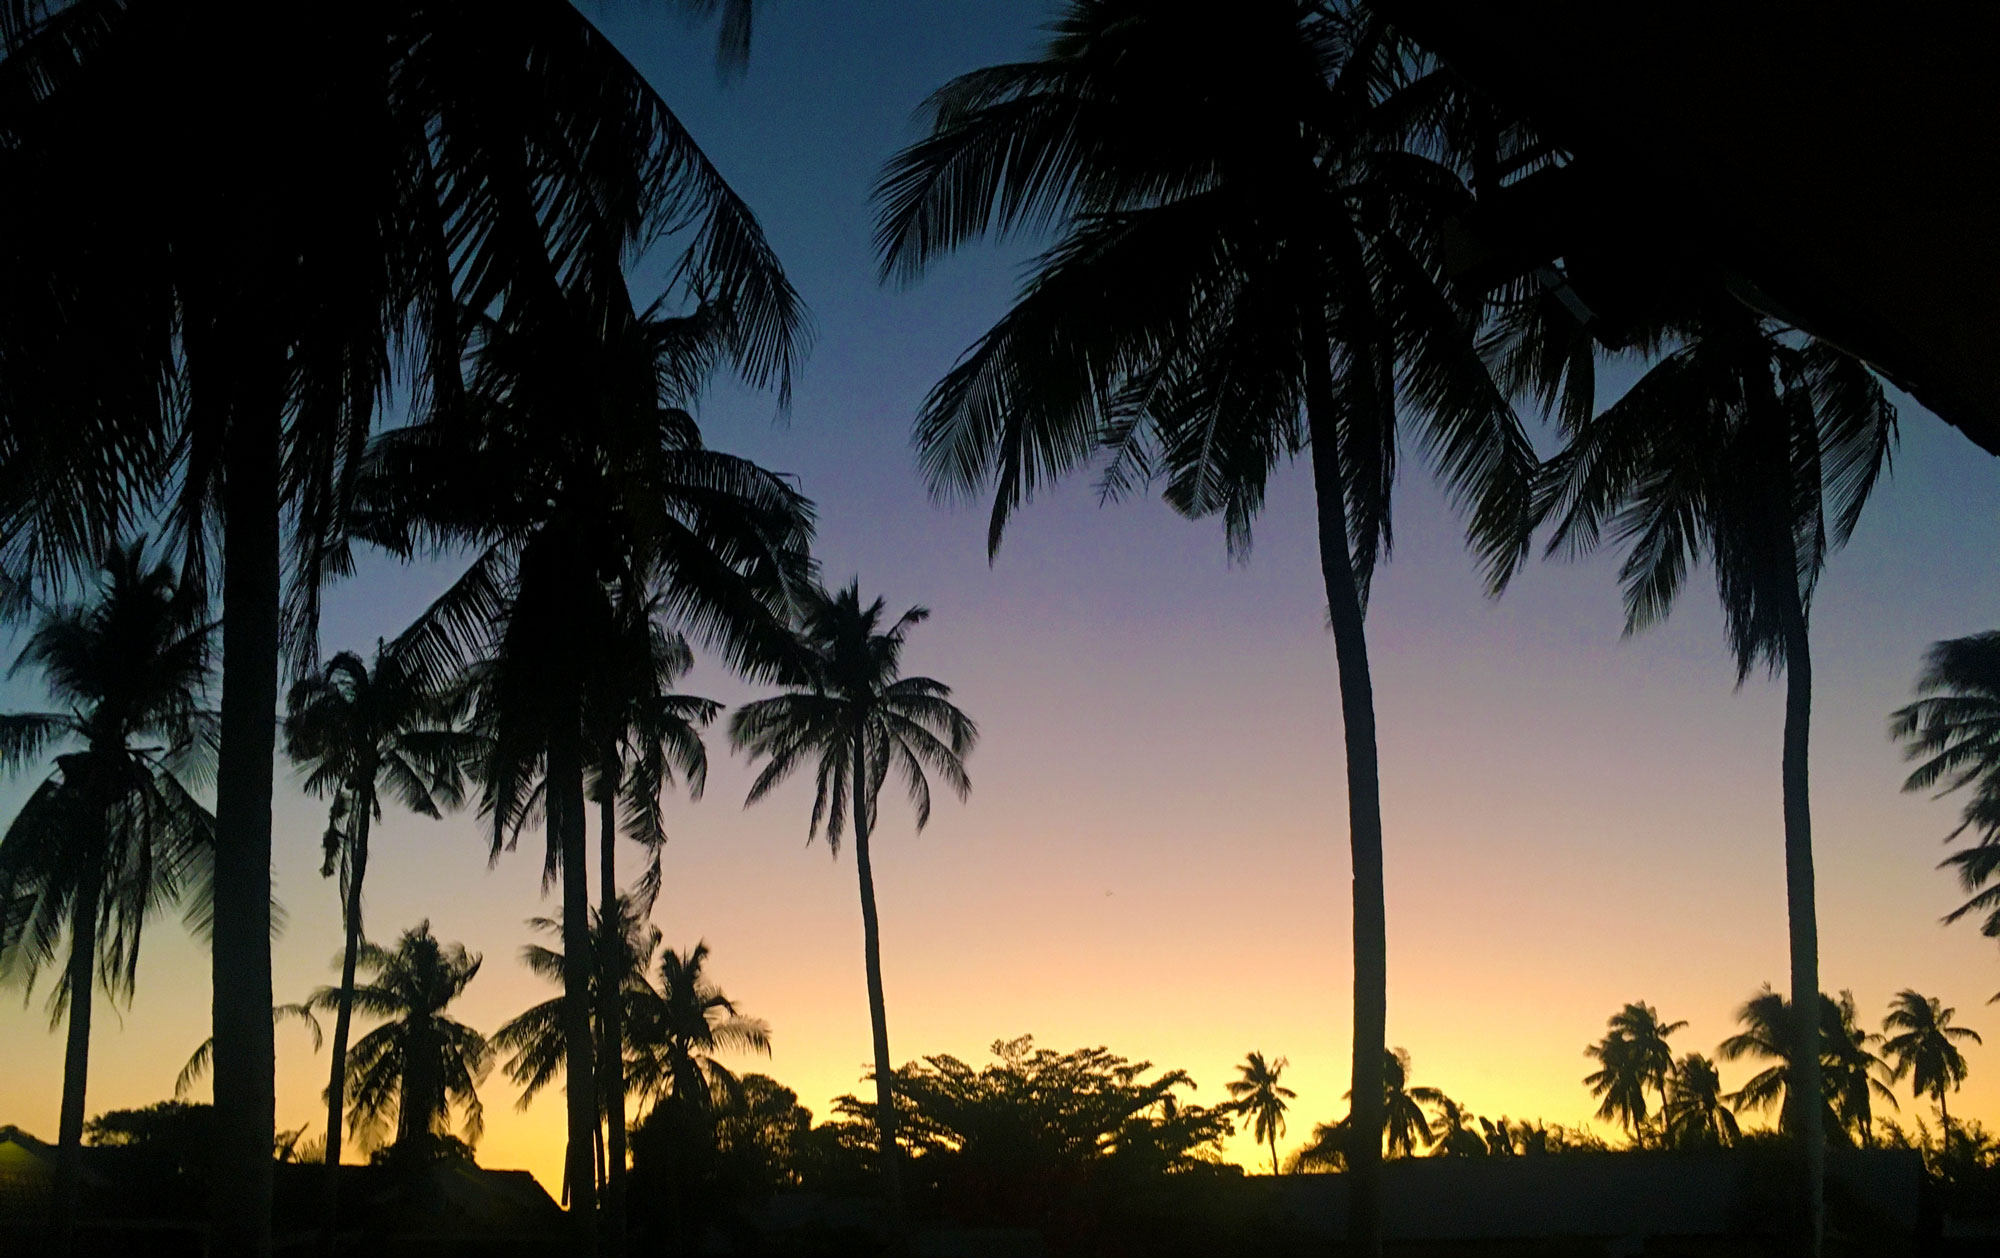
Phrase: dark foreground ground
x=1720 y=1205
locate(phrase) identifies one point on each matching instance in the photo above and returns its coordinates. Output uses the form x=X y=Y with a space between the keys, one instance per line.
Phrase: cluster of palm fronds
x=1667 y=1102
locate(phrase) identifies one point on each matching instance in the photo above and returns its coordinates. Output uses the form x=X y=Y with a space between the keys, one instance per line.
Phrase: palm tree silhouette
x=1753 y=451
x=1695 y=1113
x=856 y=717
x=623 y=945
x=1262 y=1099
x=413 y=163
x=1767 y=1020
x=1245 y=272
x=1854 y=1073
x=115 y=832
x=359 y=733
x=1633 y=1055
x=420 y=1064
x=643 y=733
x=1924 y=1049
x=588 y=494
x=1247 y=269
x=679 y=1024
x=1952 y=730
x=1405 y=1124
x=1452 y=1133
x=1619 y=1082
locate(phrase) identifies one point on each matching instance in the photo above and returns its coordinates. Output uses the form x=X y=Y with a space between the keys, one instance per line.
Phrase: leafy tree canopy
x=1038 y=1108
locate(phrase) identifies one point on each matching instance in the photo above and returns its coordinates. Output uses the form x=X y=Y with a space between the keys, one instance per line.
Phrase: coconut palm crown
x=408 y=1075
x=1257 y=1094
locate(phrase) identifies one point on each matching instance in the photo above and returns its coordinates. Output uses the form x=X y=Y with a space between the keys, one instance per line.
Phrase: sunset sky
x=1154 y=855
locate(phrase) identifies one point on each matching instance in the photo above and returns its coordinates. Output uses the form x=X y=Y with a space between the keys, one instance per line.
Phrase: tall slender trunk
x=565 y=814
x=1364 y=822
x=241 y=939
x=1944 y=1119
x=343 y=1021
x=878 y=1014
x=76 y=1066
x=611 y=1029
x=1808 y=1092
x=1274 y=1154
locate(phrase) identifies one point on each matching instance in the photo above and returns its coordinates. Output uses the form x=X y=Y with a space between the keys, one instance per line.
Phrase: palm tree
x=1619 y=1082
x=1452 y=1134
x=585 y=487
x=1854 y=1073
x=1924 y=1049
x=420 y=1064
x=855 y=716
x=1247 y=218
x=643 y=732
x=676 y=1030
x=1767 y=1020
x=1954 y=729
x=1753 y=449
x=1404 y=1122
x=1696 y=1115
x=1633 y=1054
x=1261 y=1098
x=414 y=163
x=623 y=945
x=360 y=733
x=114 y=832
x=679 y=1024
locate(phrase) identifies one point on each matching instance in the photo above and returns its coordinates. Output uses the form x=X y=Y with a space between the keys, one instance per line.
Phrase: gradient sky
x=1154 y=855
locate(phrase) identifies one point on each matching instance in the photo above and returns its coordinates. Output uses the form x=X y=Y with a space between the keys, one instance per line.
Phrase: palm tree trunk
x=245 y=1101
x=1804 y=928
x=565 y=813
x=1274 y=1155
x=343 y=1021
x=76 y=1066
x=1944 y=1119
x=612 y=1031
x=1364 y=822
x=878 y=1015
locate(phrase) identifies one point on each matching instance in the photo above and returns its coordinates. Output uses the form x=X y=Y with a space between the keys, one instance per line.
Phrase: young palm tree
x=1753 y=449
x=1262 y=1099
x=400 y=167
x=643 y=732
x=855 y=717
x=623 y=946
x=411 y=1072
x=1767 y=1023
x=1854 y=1073
x=360 y=733
x=1697 y=1117
x=1247 y=218
x=1924 y=1048
x=1619 y=1083
x=584 y=487
x=114 y=832
x=1633 y=1055
x=1954 y=729
x=1405 y=1123
x=678 y=1026
x=1452 y=1133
